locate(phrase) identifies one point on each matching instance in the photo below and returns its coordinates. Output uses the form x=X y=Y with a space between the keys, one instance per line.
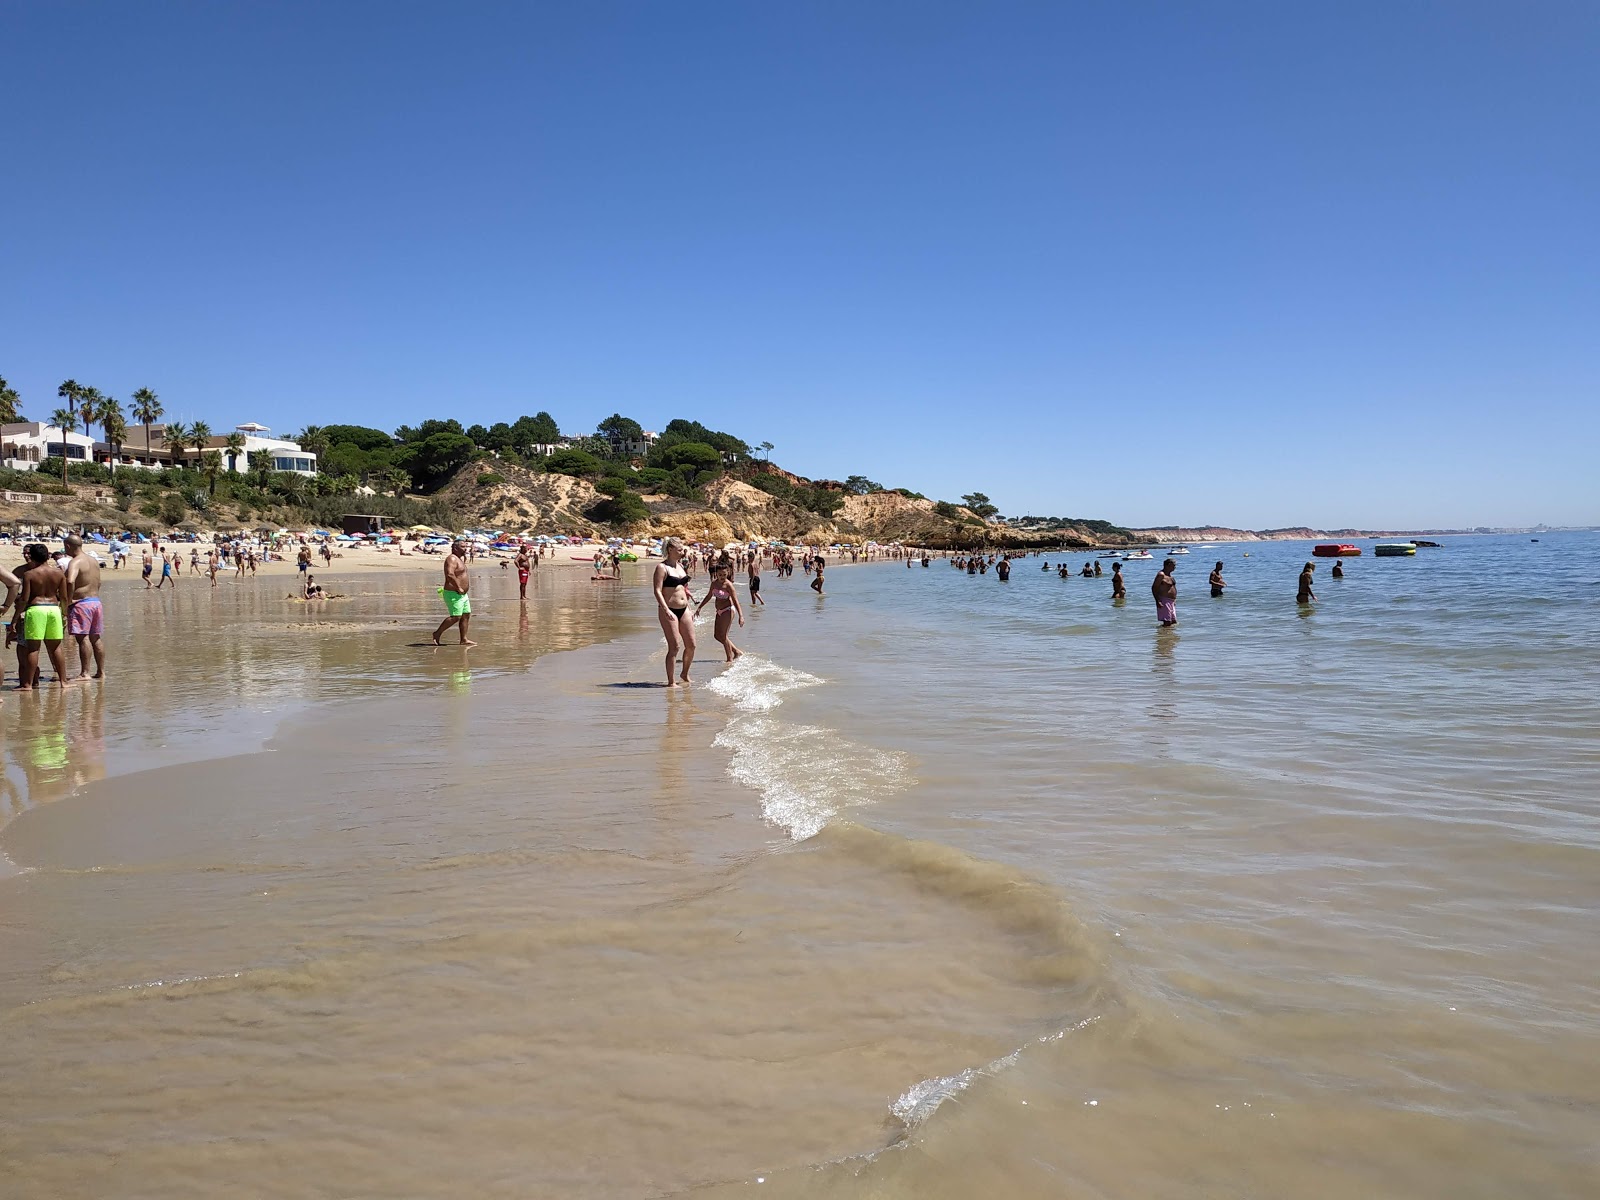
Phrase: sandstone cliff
x=521 y=500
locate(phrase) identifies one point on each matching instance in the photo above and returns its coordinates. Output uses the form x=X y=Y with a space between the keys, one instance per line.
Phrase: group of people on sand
x=50 y=598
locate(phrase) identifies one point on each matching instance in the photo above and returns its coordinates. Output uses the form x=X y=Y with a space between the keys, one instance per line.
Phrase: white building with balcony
x=286 y=455
x=26 y=445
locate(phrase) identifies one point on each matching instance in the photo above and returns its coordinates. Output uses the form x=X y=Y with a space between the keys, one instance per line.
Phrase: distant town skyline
x=1259 y=266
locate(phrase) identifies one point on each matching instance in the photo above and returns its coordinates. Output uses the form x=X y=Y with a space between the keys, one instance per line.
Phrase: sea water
x=948 y=888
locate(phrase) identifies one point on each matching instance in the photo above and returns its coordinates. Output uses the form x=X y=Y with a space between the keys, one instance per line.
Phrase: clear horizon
x=1269 y=266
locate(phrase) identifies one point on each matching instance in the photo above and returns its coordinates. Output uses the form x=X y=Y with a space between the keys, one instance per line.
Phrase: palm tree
x=261 y=466
x=10 y=403
x=116 y=429
x=177 y=439
x=211 y=467
x=312 y=439
x=234 y=447
x=199 y=435
x=146 y=408
x=395 y=481
x=66 y=420
x=69 y=391
x=105 y=409
x=89 y=400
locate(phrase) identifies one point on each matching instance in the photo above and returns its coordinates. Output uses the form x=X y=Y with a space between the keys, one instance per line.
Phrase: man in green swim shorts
x=43 y=605
x=456 y=601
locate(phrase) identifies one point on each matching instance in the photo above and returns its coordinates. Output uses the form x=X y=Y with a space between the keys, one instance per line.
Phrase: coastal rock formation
x=514 y=499
x=736 y=511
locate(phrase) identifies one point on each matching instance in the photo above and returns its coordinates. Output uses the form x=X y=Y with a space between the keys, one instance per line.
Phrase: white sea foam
x=806 y=774
x=919 y=1101
x=757 y=684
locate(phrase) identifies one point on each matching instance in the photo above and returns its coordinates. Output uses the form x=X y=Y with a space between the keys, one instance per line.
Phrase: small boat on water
x=1335 y=550
x=1394 y=549
x=1139 y=557
x=1178 y=550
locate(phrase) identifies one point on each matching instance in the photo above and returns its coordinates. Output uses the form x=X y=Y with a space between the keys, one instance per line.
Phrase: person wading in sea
x=1165 y=589
x=524 y=565
x=670 y=583
x=1305 y=595
x=727 y=599
x=1217 y=581
x=84 y=619
x=454 y=593
x=1119 y=586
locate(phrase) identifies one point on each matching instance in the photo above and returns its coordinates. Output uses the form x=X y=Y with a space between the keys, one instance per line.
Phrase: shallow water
x=949 y=888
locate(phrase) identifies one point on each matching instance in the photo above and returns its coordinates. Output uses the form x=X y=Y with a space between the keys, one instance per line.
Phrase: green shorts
x=43 y=623
x=457 y=604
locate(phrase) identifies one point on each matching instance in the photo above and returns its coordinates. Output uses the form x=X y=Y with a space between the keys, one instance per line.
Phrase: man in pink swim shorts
x=85 y=620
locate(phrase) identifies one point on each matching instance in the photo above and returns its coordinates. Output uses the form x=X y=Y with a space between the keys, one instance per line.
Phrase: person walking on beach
x=754 y=572
x=1305 y=595
x=1119 y=586
x=722 y=591
x=147 y=567
x=166 y=572
x=85 y=621
x=43 y=600
x=524 y=565
x=1217 y=581
x=1165 y=590
x=670 y=583
x=457 y=604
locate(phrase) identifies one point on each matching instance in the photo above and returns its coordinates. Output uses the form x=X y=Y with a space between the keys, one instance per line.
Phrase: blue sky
x=1256 y=264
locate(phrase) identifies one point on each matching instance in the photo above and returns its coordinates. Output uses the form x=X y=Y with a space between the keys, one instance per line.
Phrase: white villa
x=25 y=446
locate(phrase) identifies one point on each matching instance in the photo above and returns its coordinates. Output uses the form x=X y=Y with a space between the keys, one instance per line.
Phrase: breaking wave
x=758 y=684
x=807 y=775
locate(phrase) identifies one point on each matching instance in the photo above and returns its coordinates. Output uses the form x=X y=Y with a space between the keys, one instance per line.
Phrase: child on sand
x=722 y=591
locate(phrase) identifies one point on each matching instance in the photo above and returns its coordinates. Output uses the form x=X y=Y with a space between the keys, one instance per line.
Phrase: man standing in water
x=1165 y=589
x=524 y=565
x=1217 y=581
x=456 y=601
x=44 y=597
x=85 y=622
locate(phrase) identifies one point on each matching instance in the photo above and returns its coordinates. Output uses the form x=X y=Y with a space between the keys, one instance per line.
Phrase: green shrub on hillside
x=626 y=509
x=577 y=463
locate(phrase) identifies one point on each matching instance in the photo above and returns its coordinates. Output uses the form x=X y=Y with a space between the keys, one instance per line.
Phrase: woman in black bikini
x=670 y=582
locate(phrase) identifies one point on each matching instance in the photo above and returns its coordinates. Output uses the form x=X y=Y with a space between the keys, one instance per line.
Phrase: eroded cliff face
x=523 y=501
x=731 y=511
